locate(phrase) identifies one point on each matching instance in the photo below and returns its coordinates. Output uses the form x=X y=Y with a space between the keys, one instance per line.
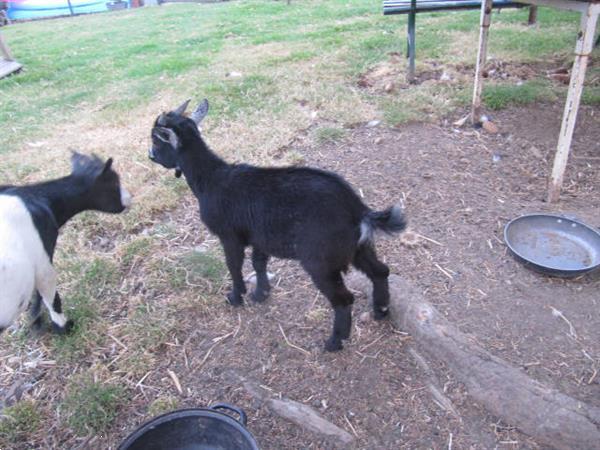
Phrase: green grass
x=18 y=422
x=90 y=406
x=328 y=134
x=104 y=61
x=499 y=96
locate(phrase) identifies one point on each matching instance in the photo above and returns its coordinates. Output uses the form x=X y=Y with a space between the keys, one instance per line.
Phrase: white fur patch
x=125 y=197
x=366 y=233
x=24 y=263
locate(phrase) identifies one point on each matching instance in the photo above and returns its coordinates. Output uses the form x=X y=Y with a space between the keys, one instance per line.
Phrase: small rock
x=496 y=157
x=252 y=278
x=536 y=152
x=389 y=87
x=373 y=123
x=233 y=74
x=364 y=317
x=202 y=248
x=490 y=127
x=378 y=140
x=445 y=76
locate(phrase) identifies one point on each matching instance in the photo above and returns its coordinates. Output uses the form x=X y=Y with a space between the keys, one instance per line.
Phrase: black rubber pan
x=554 y=244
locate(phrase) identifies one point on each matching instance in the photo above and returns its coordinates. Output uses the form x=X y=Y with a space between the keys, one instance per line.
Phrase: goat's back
x=286 y=212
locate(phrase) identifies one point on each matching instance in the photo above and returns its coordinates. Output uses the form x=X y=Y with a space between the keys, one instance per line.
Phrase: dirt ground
x=460 y=187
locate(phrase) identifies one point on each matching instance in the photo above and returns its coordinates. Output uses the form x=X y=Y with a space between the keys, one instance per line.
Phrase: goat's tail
x=389 y=221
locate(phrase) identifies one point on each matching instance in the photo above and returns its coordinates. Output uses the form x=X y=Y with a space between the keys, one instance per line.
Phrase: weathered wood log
x=545 y=414
x=298 y=413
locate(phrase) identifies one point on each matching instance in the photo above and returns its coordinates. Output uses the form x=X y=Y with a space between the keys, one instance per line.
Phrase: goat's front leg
x=46 y=286
x=234 y=256
x=259 y=262
x=341 y=299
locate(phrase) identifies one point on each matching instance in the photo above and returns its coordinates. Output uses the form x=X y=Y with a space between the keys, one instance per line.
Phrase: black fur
x=306 y=214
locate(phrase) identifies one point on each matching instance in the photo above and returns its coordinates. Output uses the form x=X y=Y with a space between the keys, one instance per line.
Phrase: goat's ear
x=182 y=107
x=173 y=139
x=77 y=160
x=107 y=165
x=200 y=112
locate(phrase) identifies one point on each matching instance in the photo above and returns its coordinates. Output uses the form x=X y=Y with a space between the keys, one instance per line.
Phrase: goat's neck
x=199 y=166
x=65 y=197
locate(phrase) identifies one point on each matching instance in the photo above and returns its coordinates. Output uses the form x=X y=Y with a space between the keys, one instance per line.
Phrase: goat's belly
x=285 y=250
x=16 y=288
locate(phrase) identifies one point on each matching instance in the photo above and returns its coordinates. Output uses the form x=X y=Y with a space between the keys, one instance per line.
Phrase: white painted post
x=486 y=18
x=583 y=48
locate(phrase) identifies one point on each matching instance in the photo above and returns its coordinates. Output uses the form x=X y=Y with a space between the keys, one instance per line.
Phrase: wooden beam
x=532 y=19
x=550 y=417
x=569 y=5
x=583 y=48
x=486 y=18
x=5 y=50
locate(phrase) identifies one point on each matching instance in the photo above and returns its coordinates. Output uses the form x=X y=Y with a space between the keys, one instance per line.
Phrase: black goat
x=30 y=218
x=299 y=213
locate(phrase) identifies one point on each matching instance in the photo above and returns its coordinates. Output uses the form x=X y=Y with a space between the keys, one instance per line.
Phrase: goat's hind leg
x=46 y=286
x=259 y=262
x=365 y=260
x=234 y=256
x=341 y=299
x=36 y=313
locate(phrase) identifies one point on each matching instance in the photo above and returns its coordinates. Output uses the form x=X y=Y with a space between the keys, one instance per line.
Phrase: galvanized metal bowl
x=554 y=244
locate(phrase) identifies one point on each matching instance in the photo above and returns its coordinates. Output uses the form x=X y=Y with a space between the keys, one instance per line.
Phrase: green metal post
x=411 y=41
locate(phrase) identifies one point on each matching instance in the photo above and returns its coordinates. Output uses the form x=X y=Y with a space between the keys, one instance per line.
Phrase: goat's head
x=170 y=132
x=102 y=182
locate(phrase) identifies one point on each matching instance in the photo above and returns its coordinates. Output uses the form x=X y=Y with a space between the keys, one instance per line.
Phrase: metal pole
x=411 y=41
x=70 y=7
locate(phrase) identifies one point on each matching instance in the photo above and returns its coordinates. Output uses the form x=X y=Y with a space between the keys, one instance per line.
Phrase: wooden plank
x=583 y=48
x=8 y=67
x=486 y=18
x=569 y=5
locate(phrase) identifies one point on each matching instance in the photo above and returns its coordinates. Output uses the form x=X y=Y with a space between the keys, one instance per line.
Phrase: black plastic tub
x=193 y=429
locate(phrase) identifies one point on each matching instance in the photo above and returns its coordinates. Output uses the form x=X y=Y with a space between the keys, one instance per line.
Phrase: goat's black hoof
x=37 y=325
x=333 y=345
x=380 y=314
x=66 y=329
x=259 y=296
x=234 y=300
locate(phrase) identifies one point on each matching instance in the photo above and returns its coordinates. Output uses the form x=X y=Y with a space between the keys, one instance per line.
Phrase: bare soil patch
x=460 y=187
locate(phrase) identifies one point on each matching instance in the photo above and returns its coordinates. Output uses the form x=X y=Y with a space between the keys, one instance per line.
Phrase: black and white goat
x=299 y=213
x=30 y=218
